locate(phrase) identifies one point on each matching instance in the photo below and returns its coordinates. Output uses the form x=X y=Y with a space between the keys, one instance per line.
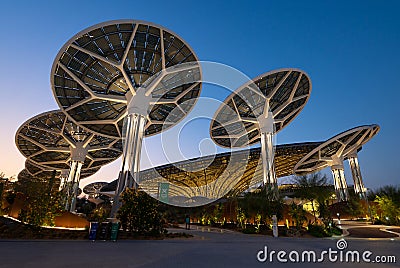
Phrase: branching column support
x=64 y=188
x=78 y=155
x=63 y=179
x=133 y=136
x=267 y=155
x=339 y=180
x=357 y=178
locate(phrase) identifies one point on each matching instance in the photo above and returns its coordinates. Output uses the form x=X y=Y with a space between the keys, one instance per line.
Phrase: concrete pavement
x=206 y=249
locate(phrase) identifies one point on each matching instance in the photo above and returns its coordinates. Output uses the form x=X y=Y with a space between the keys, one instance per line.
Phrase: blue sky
x=350 y=49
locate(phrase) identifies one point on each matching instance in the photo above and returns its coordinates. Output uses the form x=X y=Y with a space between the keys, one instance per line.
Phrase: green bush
x=317 y=230
x=139 y=213
x=99 y=214
x=323 y=231
x=335 y=231
x=42 y=206
x=250 y=229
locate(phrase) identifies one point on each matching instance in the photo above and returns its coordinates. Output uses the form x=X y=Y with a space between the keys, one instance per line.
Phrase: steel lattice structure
x=176 y=174
x=126 y=73
x=332 y=153
x=52 y=142
x=24 y=176
x=283 y=92
x=257 y=110
x=99 y=69
x=93 y=188
x=119 y=81
x=47 y=139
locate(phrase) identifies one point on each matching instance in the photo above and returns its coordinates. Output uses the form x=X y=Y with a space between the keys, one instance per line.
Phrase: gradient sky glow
x=350 y=50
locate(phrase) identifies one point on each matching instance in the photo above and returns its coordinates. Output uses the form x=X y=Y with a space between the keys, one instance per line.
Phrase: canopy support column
x=267 y=155
x=63 y=179
x=133 y=136
x=78 y=156
x=357 y=178
x=74 y=178
x=340 y=183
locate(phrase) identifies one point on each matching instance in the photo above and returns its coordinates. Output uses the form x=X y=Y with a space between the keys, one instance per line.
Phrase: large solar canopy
x=38 y=171
x=46 y=141
x=286 y=158
x=93 y=188
x=46 y=173
x=98 y=69
x=25 y=176
x=339 y=146
x=237 y=122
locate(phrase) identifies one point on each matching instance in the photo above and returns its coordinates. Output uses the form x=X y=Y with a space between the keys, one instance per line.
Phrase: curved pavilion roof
x=46 y=141
x=97 y=67
x=339 y=147
x=285 y=158
x=237 y=121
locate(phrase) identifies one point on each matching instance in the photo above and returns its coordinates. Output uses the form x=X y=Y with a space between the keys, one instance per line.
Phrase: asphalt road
x=206 y=249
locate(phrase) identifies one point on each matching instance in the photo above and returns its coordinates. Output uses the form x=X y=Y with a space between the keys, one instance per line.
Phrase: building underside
x=184 y=183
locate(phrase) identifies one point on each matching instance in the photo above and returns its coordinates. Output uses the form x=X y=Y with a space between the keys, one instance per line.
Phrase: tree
x=99 y=214
x=390 y=211
x=393 y=192
x=42 y=206
x=218 y=213
x=1 y=197
x=259 y=203
x=241 y=218
x=313 y=187
x=139 y=213
x=3 y=183
x=354 y=206
x=298 y=214
x=387 y=199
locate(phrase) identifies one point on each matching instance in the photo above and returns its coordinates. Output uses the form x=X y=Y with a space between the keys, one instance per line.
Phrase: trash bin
x=104 y=231
x=114 y=231
x=93 y=230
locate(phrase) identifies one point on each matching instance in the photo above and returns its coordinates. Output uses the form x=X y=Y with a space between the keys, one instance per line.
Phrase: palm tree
x=313 y=187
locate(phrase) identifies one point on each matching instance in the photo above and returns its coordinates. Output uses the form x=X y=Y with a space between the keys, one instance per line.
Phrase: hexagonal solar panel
x=96 y=68
x=340 y=146
x=24 y=176
x=235 y=123
x=38 y=171
x=45 y=141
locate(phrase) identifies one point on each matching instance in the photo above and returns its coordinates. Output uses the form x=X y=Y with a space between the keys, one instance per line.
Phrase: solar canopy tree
x=51 y=141
x=41 y=172
x=25 y=176
x=264 y=106
x=124 y=70
x=93 y=189
x=93 y=192
x=332 y=153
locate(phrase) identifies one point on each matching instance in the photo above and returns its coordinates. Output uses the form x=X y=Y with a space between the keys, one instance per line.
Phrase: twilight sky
x=349 y=50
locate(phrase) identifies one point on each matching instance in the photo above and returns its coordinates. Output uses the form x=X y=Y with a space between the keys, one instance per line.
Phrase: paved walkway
x=206 y=249
x=356 y=229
